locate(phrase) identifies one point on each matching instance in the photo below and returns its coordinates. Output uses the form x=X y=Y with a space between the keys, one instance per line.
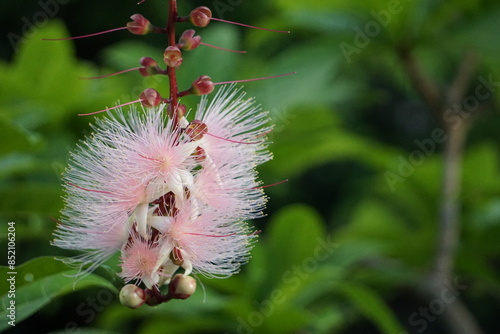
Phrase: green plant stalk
x=460 y=320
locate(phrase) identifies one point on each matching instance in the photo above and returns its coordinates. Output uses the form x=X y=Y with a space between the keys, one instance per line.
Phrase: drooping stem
x=172 y=78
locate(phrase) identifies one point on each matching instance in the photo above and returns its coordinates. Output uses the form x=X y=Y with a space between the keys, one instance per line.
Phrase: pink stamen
x=95 y=191
x=118 y=106
x=152 y=159
x=254 y=79
x=84 y=36
x=55 y=220
x=212 y=236
x=259 y=187
x=223 y=49
x=233 y=141
x=249 y=26
x=113 y=74
x=271 y=185
x=264 y=134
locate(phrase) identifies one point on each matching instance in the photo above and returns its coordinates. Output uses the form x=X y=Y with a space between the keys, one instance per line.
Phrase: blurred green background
x=350 y=240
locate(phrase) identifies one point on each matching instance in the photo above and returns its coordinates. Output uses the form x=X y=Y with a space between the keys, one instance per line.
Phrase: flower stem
x=172 y=78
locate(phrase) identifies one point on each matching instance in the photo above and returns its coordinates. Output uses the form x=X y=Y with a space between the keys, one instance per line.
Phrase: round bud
x=139 y=25
x=196 y=129
x=200 y=16
x=181 y=287
x=202 y=86
x=172 y=56
x=150 y=98
x=180 y=110
x=132 y=296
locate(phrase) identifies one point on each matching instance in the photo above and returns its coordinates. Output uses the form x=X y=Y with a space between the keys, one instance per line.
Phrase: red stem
x=174 y=97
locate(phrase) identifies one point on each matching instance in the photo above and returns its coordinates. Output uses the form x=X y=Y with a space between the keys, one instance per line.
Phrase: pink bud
x=200 y=16
x=188 y=41
x=202 y=86
x=150 y=67
x=150 y=98
x=196 y=129
x=199 y=154
x=172 y=56
x=180 y=110
x=181 y=287
x=176 y=257
x=132 y=296
x=140 y=25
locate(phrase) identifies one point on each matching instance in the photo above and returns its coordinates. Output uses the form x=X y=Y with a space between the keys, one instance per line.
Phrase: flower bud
x=202 y=86
x=196 y=129
x=150 y=67
x=140 y=25
x=199 y=154
x=150 y=98
x=176 y=257
x=188 y=41
x=181 y=110
x=132 y=296
x=181 y=287
x=200 y=16
x=172 y=56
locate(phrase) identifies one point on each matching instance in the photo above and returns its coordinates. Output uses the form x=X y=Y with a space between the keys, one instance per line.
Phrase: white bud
x=132 y=296
x=182 y=287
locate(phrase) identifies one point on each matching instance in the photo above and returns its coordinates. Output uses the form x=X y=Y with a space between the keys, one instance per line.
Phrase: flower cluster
x=168 y=190
x=168 y=196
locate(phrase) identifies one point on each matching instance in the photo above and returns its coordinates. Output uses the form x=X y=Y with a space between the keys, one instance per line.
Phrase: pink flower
x=139 y=260
x=237 y=129
x=166 y=196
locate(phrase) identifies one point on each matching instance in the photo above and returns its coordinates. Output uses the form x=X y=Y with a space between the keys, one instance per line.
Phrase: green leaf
x=47 y=197
x=39 y=281
x=373 y=307
x=294 y=234
x=284 y=318
x=16 y=164
x=15 y=138
x=314 y=137
x=480 y=173
x=45 y=72
x=88 y=330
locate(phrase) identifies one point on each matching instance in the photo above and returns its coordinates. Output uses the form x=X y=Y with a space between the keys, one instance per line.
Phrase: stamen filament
x=254 y=79
x=95 y=191
x=270 y=185
x=118 y=106
x=214 y=236
x=84 y=36
x=223 y=49
x=112 y=74
x=249 y=26
x=233 y=141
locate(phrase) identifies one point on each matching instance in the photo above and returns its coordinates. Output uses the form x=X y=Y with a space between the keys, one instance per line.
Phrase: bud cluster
x=170 y=194
x=172 y=56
